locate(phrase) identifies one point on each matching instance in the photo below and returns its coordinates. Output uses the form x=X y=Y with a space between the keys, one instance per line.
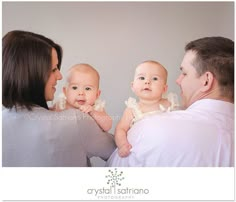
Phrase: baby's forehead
x=84 y=76
x=83 y=70
x=84 y=73
x=149 y=67
x=88 y=77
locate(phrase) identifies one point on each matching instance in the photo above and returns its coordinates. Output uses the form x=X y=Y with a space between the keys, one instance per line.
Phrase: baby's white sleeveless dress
x=139 y=115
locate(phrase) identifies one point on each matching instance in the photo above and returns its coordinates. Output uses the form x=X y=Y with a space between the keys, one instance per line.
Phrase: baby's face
x=149 y=81
x=82 y=89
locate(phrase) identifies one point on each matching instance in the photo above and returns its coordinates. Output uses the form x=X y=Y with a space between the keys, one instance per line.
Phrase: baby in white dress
x=82 y=92
x=149 y=85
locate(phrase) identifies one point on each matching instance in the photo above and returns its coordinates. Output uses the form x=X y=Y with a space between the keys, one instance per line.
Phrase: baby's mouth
x=80 y=102
x=147 y=89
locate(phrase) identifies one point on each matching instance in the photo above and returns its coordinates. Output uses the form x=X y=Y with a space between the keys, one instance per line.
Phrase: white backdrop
x=116 y=36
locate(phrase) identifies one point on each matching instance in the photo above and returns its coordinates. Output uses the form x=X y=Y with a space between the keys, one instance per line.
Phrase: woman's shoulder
x=41 y=114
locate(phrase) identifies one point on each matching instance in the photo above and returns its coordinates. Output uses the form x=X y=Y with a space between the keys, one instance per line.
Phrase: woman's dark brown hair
x=26 y=66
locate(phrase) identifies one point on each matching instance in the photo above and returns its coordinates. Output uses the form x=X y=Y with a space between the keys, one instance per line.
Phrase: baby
x=82 y=92
x=149 y=85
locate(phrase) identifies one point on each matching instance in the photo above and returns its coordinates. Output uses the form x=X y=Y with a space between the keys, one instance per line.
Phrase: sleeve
x=61 y=102
x=96 y=143
x=99 y=105
x=173 y=99
x=132 y=104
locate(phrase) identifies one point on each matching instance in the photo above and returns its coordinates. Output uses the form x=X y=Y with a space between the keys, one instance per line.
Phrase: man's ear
x=98 y=93
x=207 y=80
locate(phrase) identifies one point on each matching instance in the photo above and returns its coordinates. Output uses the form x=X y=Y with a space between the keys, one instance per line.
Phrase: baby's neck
x=149 y=105
x=149 y=102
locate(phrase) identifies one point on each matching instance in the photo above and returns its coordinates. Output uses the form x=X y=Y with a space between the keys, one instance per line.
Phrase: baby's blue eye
x=155 y=78
x=141 y=78
x=88 y=88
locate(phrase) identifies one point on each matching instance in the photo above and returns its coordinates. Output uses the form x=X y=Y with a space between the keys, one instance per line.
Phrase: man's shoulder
x=168 y=121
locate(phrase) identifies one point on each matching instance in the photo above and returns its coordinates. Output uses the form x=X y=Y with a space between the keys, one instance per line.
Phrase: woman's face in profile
x=55 y=75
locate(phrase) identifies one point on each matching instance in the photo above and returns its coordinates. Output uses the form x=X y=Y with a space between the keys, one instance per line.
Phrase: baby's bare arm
x=102 y=119
x=121 y=133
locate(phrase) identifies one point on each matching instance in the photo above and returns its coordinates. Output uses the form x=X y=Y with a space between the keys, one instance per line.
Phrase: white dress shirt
x=202 y=135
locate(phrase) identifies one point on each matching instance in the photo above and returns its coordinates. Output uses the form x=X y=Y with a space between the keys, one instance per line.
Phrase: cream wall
x=115 y=36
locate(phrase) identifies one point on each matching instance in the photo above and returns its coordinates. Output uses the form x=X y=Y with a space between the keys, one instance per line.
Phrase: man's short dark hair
x=216 y=55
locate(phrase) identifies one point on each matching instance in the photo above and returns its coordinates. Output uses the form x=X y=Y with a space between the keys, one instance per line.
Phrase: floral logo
x=114 y=178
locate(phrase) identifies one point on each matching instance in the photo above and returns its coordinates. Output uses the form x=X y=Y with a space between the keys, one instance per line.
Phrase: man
x=203 y=133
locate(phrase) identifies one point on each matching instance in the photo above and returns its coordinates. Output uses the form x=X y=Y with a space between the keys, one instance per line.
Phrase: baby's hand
x=124 y=150
x=86 y=108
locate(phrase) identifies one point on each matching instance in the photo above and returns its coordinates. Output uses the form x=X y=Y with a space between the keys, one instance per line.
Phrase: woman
x=32 y=134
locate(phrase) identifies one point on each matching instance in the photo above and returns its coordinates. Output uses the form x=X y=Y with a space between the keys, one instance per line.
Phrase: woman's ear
x=207 y=81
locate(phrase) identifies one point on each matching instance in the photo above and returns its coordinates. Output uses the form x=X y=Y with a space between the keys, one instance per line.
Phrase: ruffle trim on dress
x=138 y=114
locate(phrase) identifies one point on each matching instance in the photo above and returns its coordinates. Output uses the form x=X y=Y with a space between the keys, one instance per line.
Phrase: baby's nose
x=81 y=92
